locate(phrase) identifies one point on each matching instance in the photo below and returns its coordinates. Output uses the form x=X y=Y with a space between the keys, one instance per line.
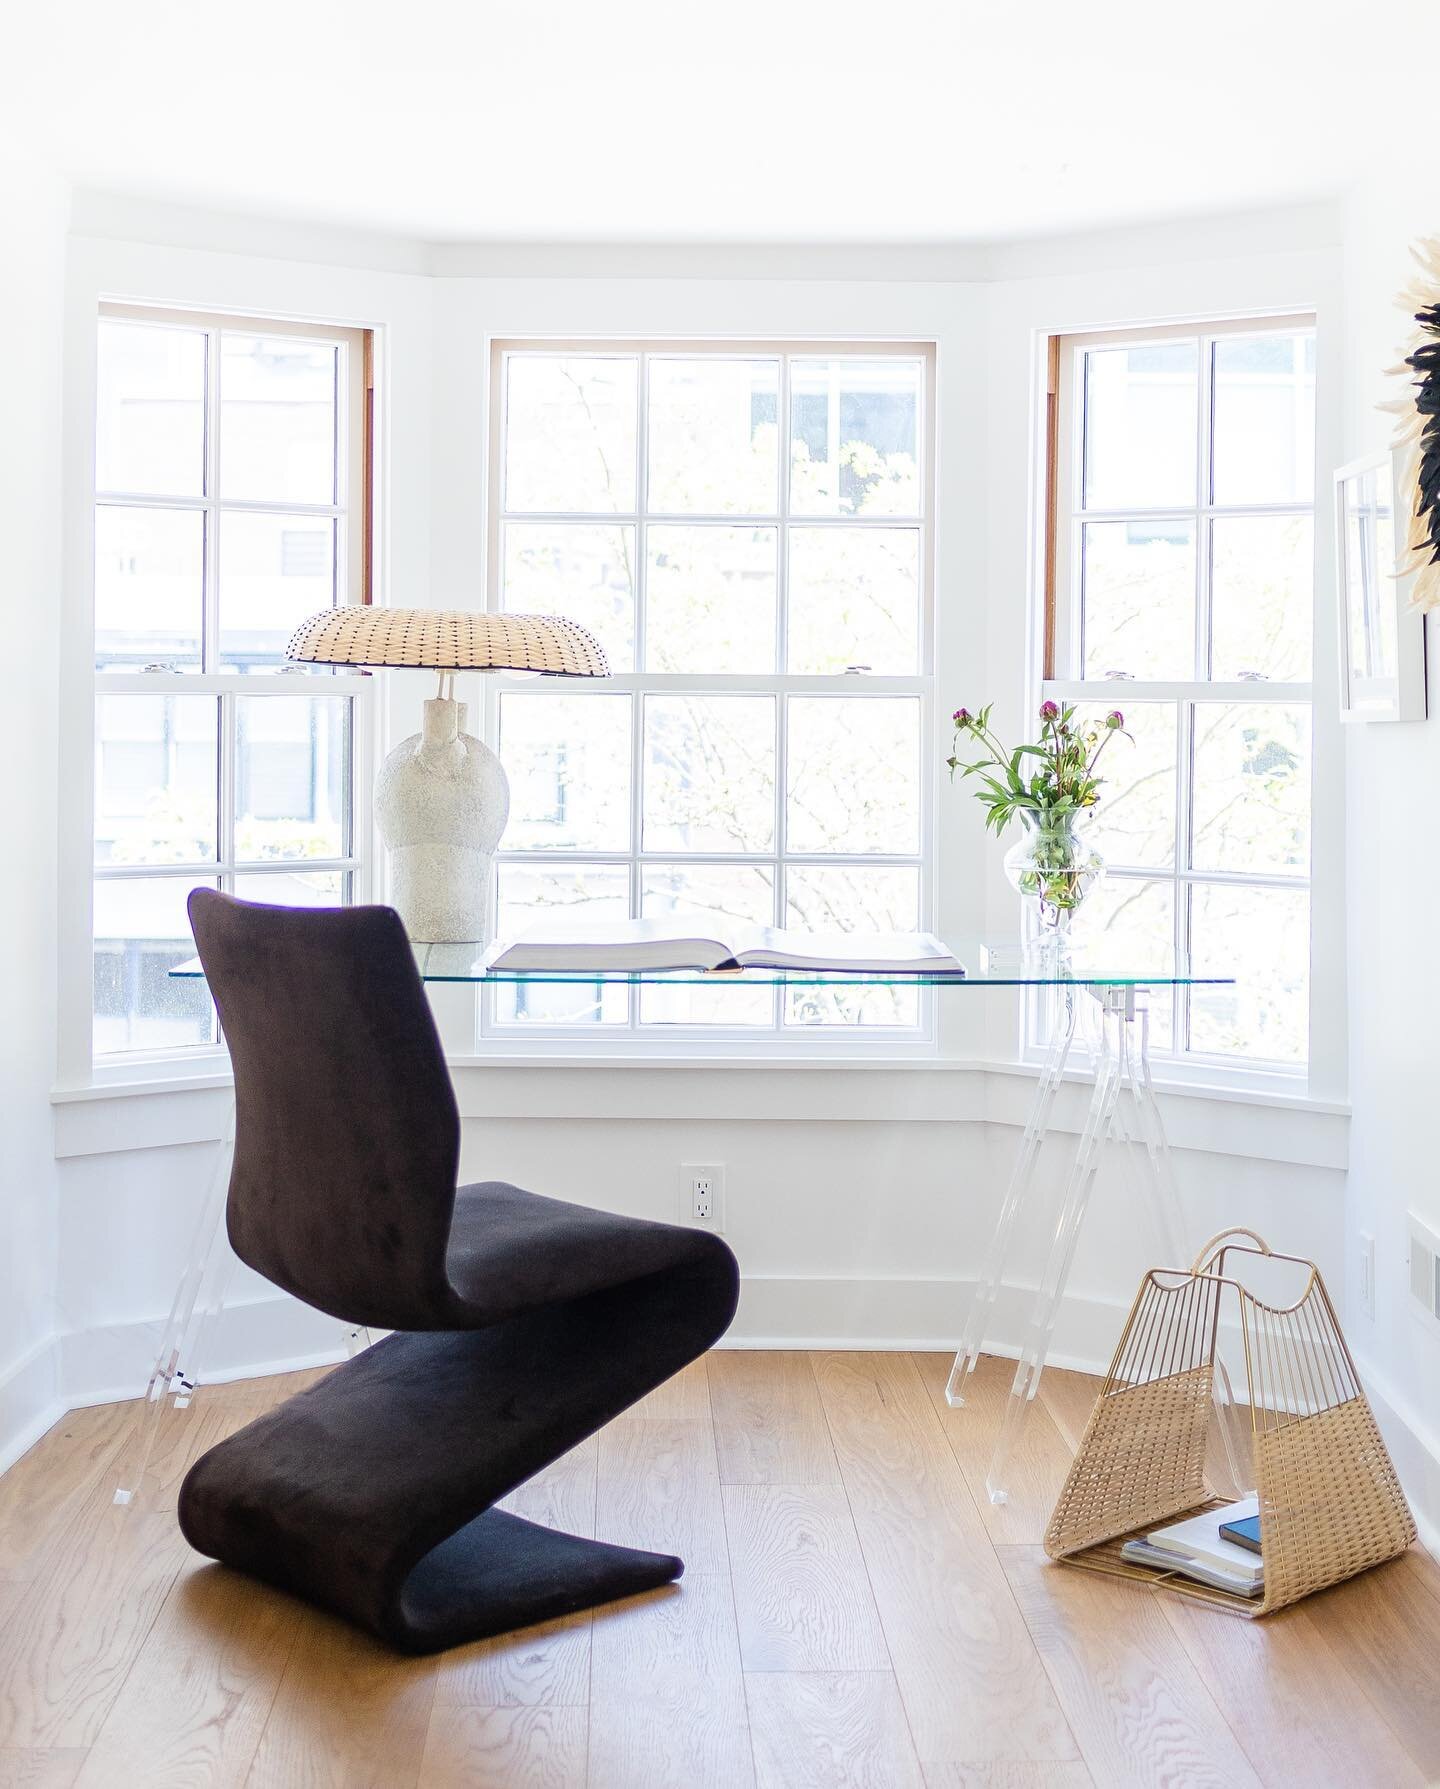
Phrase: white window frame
x=1060 y=609
x=701 y=1040
x=354 y=518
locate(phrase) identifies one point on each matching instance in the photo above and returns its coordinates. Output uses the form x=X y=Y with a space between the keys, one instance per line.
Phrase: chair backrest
x=347 y=1136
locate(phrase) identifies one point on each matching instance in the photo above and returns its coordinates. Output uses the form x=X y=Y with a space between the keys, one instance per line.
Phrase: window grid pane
x=1236 y=773
x=711 y=592
x=250 y=792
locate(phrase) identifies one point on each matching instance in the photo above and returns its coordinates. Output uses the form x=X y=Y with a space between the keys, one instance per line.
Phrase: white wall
x=33 y=213
x=1393 y=866
x=859 y=1198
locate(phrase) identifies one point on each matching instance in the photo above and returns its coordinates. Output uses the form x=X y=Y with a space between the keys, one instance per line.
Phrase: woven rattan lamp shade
x=449 y=640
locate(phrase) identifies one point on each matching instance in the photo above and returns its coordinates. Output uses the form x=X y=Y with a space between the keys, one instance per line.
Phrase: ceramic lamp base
x=441 y=802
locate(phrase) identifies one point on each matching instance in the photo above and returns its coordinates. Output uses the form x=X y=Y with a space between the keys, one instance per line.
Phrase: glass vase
x=1054 y=864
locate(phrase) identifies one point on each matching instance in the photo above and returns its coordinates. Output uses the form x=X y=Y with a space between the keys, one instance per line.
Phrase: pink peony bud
x=1049 y=710
x=1114 y=718
x=962 y=717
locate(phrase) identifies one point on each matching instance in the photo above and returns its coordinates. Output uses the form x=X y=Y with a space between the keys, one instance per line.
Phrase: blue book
x=1244 y=1533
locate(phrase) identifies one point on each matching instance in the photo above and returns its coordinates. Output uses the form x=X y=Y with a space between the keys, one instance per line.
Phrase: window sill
x=1229 y=1121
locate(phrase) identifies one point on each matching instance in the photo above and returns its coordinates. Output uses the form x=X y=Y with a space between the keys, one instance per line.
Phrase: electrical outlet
x=702 y=1194
x=1367 y=1274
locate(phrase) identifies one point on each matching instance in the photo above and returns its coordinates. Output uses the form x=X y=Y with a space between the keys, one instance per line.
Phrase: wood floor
x=854 y=1612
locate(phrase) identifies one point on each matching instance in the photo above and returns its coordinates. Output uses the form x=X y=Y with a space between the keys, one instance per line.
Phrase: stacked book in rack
x=1220 y=1547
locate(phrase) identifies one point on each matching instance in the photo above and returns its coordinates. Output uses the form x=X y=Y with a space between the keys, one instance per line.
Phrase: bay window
x=1182 y=592
x=747 y=530
x=230 y=503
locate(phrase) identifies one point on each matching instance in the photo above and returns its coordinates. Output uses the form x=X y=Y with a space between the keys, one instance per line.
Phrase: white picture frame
x=1382 y=638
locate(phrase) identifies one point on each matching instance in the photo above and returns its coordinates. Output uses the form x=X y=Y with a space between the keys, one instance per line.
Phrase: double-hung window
x=1182 y=593
x=231 y=502
x=746 y=529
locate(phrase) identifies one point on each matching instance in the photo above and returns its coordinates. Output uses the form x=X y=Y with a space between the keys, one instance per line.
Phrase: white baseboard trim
x=30 y=1400
x=924 y=1315
x=1414 y=1447
x=247 y=1341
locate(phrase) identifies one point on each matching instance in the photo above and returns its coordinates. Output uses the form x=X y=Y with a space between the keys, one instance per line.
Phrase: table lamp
x=442 y=797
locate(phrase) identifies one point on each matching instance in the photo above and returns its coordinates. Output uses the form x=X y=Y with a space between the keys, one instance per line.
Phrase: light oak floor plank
x=658 y=1487
x=962 y=1657
x=1074 y=1775
x=802 y=1594
x=769 y=1422
x=1038 y=1464
x=42 y=1490
x=1385 y=1624
x=830 y=1730
x=51 y=1769
x=256 y=1396
x=506 y=1748
x=1135 y=1702
x=75 y=1630
x=1297 y=1711
x=125 y=1659
x=667 y=1701
x=348 y=1714
x=686 y=1393
x=195 y=1703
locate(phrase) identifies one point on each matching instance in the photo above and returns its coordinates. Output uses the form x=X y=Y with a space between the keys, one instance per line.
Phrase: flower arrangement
x=1050 y=784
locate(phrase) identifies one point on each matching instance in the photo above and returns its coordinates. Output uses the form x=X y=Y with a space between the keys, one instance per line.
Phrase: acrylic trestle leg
x=1139 y=1125
x=1122 y=1110
x=189 y=1328
x=207 y=1268
x=1070 y=1214
x=1017 y=1194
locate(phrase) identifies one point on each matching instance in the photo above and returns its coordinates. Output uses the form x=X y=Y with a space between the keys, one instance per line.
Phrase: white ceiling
x=916 y=121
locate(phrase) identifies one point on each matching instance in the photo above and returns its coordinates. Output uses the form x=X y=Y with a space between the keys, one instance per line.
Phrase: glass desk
x=1122 y=1111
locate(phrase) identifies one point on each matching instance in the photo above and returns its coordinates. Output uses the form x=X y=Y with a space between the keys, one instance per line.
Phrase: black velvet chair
x=523 y=1324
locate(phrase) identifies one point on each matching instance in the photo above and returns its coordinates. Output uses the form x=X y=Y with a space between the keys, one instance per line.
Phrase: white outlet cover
x=714 y=1172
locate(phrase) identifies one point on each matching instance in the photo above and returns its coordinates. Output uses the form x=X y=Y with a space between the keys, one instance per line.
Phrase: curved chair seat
x=522 y=1323
x=509 y=1250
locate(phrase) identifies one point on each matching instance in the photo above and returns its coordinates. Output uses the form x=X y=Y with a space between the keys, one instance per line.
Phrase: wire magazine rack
x=1330 y=1502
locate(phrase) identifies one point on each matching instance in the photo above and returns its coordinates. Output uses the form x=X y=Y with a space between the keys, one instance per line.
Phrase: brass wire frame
x=1330 y=1502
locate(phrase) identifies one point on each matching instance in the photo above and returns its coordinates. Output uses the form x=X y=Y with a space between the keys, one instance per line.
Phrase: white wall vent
x=1424 y=1252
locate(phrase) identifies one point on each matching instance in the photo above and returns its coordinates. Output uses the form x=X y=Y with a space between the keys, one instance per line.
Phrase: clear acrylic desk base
x=1123 y=1112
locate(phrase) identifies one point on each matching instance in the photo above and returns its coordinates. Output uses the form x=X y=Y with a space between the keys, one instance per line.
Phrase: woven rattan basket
x=1330 y=1503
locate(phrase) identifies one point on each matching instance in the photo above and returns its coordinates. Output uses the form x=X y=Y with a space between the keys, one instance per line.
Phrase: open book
x=637 y=944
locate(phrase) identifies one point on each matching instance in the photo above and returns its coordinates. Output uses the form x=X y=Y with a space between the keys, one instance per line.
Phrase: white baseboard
x=1414 y=1447
x=926 y=1315
x=30 y=1401
x=245 y=1341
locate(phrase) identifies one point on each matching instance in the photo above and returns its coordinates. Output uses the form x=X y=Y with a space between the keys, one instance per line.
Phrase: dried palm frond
x=1417 y=432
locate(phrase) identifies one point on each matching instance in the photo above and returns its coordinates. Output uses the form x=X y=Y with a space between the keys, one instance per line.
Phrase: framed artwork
x=1382 y=634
